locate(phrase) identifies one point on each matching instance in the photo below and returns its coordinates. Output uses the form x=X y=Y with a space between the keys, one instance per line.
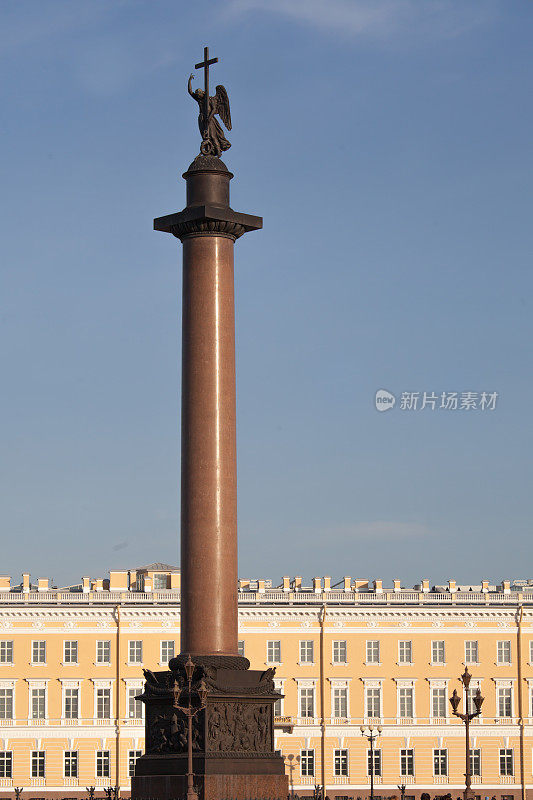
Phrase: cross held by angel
x=214 y=141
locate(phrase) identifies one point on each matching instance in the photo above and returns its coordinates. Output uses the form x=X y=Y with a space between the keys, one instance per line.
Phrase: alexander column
x=209 y=720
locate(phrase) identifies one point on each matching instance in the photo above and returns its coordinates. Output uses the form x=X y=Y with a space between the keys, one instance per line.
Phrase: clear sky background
x=388 y=146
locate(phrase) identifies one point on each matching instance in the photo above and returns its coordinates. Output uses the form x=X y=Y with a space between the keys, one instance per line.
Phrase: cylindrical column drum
x=208 y=449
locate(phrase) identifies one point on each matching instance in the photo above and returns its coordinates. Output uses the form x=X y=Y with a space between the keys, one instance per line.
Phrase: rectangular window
x=340 y=652
x=135 y=707
x=133 y=755
x=438 y=653
x=372 y=652
x=6 y=703
x=471 y=652
x=475 y=762
x=506 y=761
x=307 y=651
x=504 y=652
x=103 y=652
x=160 y=581
x=240 y=647
x=407 y=763
x=340 y=763
x=6 y=652
x=471 y=694
x=373 y=702
x=405 y=702
x=70 y=652
x=71 y=763
x=340 y=702
x=405 y=652
x=438 y=703
x=6 y=764
x=135 y=651
x=38 y=704
x=505 y=703
x=37 y=764
x=377 y=763
x=167 y=651
x=274 y=652
x=38 y=652
x=307 y=763
x=71 y=704
x=307 y=702
x=103 y=703
x=440 y=762
x=278 y=704
x=102 y=764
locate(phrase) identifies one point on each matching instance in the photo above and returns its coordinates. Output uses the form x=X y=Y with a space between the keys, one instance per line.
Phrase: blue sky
x=388 y=146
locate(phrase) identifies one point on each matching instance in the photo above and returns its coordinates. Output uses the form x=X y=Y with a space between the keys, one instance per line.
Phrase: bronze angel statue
x=214 y=142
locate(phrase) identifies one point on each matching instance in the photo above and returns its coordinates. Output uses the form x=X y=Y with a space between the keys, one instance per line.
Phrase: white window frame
x=10 y=686
x=377 y=756
x=306 y=684
x=7 y=652
x=133 y=645
x=304 y=651
x=307 y=750
x=507 y=686
x=36 y=685
x=70 y=684
x=100 y=755
x=341 y=756
x=36 y=643
x=473 y=750
x=443 y=752
x=438 y=685
x=134 y=685
x=163 y=661
x=468 y=659
x=273 y=654
x=70 y=663
x=77 y=761
x=407 y=750
x=506 y=751
x=37 y=761
x=339 y=645
x=373 y=685
x=435 y=650
x=369 y=651
x=278 y=687
x=102 y=662
x=402 y=655
x=405 y=683
x=133 y=755
x=501 y=651
x=336 y=688
x=4 y=757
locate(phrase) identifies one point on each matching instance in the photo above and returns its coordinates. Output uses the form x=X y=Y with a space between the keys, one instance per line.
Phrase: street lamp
x=371 y=737
x=466 y=717
x=402 y=787
x=190 y=712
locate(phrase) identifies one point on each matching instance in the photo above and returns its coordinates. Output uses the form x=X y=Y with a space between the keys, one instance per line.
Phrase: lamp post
x=371 y=738
x=466 y=717
x=191 y=712
x=402 y=787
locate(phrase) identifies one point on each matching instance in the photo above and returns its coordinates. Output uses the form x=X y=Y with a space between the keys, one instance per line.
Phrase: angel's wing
x=223 y=106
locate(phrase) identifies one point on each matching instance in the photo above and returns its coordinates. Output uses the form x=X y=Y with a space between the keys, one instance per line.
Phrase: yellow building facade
x=347 y=656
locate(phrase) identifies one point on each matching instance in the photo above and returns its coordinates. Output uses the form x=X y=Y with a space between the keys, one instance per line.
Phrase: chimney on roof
x=452 y=586
x=42 y=584
x=347 y=583
x=86 y=584
x=297 y=583
x=25 y=581
x=397 y=585
x=425 y=585
x=378 y=586
x=286 y=583
x=484 y=586
x=327 y=583
x=506 y=587
x=317 y=585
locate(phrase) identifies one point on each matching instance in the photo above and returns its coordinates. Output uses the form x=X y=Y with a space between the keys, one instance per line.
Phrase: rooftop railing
x=353 y=598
